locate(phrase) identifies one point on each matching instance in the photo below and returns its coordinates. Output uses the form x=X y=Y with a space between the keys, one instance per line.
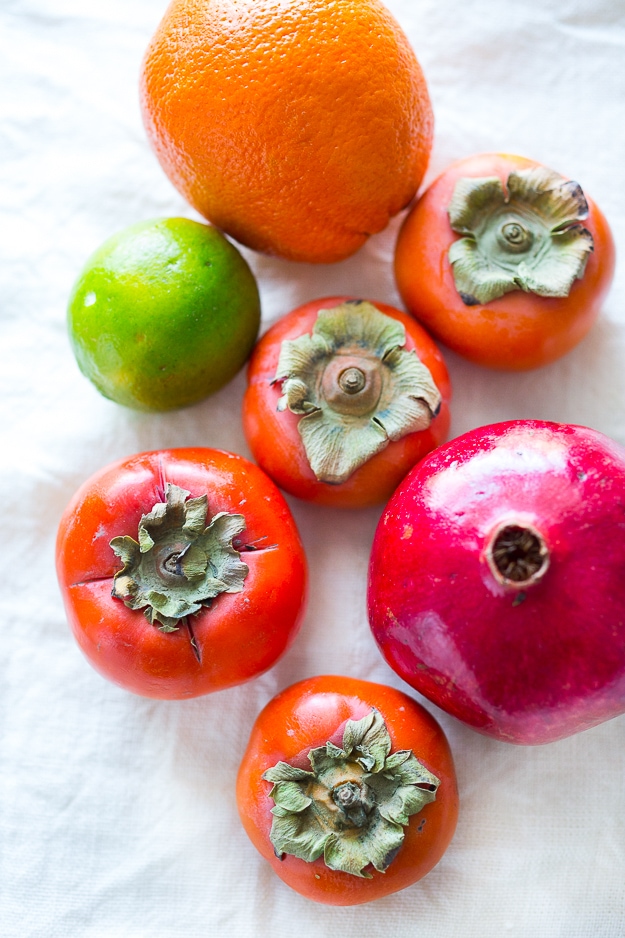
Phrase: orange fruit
x=298 y=127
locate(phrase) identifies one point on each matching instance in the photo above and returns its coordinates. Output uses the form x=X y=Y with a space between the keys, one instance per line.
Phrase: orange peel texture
x=298 y=127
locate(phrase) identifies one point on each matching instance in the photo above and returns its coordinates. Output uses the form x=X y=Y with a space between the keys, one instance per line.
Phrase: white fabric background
x=117 y=814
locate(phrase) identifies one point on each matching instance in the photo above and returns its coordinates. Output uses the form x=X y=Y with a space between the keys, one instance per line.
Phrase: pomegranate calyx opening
x=517 y=554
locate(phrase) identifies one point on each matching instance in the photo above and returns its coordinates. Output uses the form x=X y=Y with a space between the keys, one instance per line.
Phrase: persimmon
x=505 y=261
x=348 y=789
x=182 y=572
x=344 y=396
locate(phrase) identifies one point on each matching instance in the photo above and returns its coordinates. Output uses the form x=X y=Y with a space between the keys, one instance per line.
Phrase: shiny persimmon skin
x=307 y=715
x=274 y=439
x=241 y=635
x=298 y=127
x=518 y=331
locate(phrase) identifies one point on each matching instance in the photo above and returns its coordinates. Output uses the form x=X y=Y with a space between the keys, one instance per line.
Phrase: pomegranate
x=497 y=580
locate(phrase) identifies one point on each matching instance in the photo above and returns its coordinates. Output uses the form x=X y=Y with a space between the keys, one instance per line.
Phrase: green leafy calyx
x=527 y=236
x=352 y=806
x=355 y=387
x=179 y=564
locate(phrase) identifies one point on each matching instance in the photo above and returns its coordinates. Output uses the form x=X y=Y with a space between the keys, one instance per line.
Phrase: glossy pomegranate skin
x=525 y=664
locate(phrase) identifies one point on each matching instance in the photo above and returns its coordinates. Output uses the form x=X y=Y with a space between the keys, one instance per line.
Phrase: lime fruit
x=164 y=313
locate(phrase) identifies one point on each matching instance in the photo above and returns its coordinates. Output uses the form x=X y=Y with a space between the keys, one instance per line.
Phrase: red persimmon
x=505 y=261
x=344 y=397
x=182 y=572
x=347 y=789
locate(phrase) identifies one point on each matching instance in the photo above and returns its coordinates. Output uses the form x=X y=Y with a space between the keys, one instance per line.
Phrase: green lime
x=164 y=313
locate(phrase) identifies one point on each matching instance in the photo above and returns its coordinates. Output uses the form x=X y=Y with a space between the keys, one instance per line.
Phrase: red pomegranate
x=497 y=580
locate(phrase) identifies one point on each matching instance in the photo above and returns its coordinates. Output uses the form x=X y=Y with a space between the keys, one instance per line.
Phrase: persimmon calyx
x=352 y=807
x=527 y=236
x=179 y=564
x=355 y=387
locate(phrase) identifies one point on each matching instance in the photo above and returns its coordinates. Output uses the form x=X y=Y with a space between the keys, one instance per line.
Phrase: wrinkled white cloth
x=117 y=813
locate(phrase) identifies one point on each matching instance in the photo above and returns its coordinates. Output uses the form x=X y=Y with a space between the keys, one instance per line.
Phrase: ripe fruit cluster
x=491 y=588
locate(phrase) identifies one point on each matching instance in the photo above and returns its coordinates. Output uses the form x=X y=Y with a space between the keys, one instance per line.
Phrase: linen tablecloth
x=117 y=813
